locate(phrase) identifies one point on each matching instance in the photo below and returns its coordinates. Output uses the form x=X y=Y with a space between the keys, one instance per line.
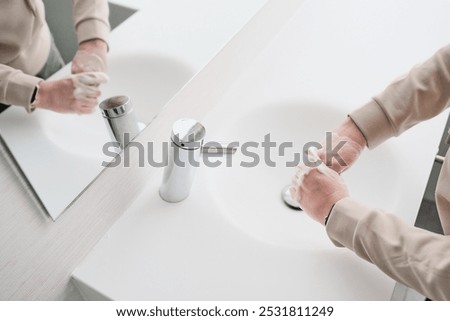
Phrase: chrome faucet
x=183 y=160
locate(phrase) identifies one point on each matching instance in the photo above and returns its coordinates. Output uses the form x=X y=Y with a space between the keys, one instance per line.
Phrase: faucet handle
x=216 y=148
x=188 y=134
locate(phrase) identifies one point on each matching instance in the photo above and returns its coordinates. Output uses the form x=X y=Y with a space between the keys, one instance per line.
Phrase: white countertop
x=161 y=251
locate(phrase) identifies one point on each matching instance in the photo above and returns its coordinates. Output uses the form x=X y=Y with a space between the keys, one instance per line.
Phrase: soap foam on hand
x=87 y=84
x=303 y=170
x=325 y=181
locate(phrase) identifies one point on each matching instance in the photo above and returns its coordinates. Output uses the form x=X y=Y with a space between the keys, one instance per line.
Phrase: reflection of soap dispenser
x=120 y=119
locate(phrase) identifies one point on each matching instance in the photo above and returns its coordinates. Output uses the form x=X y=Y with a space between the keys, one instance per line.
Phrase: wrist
x=38 y=94
x=45 y=94
x=349 y=129
x=34 y=94
x=94 y=45
x=328 y=215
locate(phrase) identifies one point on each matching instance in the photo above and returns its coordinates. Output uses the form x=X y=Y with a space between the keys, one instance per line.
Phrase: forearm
x=16 y=88
x=91 y=19
x=412 y=256
x=422 y=94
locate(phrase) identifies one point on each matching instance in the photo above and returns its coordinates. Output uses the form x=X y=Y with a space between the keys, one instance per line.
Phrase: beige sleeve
x=415 y=257
x=422 y=94
x=16 y=87
x=91 y=19
x=412 y=256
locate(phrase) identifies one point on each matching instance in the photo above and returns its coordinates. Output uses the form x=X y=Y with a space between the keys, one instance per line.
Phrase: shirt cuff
x=92 y=29
x=373 y=123
x=20 y=90
x=343 y=221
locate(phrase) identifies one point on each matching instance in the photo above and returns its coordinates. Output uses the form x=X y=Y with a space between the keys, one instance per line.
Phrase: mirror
x=60 y=155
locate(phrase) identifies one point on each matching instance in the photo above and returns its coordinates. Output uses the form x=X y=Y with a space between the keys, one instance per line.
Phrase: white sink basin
x=251 y=197
x=150 y=80
x=233 y=238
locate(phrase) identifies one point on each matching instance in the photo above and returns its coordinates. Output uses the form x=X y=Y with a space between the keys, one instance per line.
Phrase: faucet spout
x=183 y=160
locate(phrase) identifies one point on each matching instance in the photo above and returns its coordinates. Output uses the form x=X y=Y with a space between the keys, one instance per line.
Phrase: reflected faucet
x=120 y=118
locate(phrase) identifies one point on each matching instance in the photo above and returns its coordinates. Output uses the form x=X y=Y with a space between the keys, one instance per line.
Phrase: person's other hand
x=76 y=94
x=343 y=147
x=91 y=56
x=317 y=189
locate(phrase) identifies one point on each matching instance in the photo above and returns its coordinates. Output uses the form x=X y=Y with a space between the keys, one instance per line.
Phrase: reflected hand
x=76 y=94
x=91 y=56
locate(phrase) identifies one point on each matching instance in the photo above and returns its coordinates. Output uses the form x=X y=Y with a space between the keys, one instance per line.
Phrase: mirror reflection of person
x=28 y=56
x=414 y=257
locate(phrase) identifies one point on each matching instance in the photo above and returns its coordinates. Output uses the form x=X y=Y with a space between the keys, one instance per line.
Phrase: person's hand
x=317 y=189
x=91 y=56
x=343 y=147
x=76 y=94
x=87 y=84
